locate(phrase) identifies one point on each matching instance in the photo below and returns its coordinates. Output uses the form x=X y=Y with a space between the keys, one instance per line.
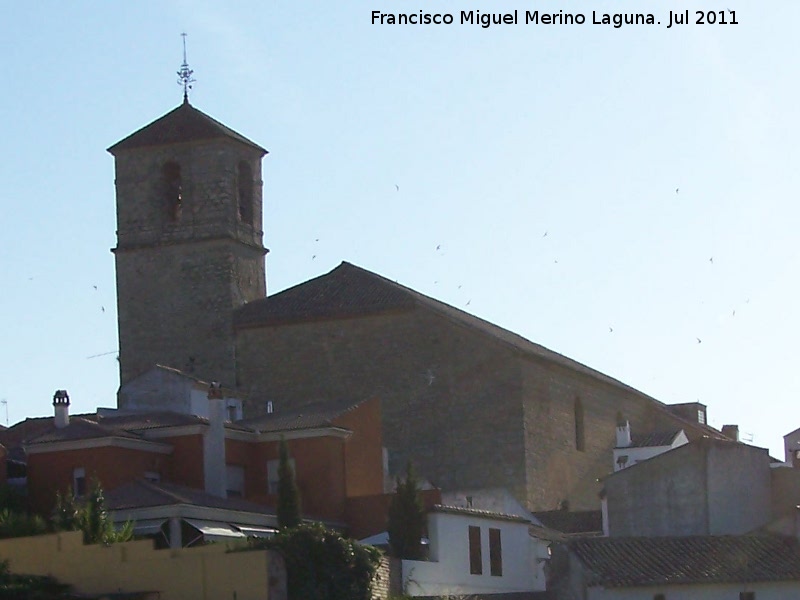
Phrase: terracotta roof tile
x=81 y=429
x=141 y=494
x=622 y=562
x=309 y=416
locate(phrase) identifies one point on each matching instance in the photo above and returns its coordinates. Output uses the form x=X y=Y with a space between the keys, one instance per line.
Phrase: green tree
x=66 y=513
x=14 y=523
x=323 y=565
x=288 y=494
x=406 y=518
x=89 y=516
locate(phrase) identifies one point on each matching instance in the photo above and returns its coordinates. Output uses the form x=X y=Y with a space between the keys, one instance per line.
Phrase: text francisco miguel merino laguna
x=616 y=20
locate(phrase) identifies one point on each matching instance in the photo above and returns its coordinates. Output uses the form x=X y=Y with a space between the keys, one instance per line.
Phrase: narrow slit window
x=580 y=441
x=172 y=190
x=245 y=193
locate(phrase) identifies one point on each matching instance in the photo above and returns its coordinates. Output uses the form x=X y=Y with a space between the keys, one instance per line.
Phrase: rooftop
x=628 y=562
x=182 y=124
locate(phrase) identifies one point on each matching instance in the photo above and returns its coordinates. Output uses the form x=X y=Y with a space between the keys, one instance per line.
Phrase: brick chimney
x=214 y=467
x=731 y=432
x=61 y=407
x=623 y=431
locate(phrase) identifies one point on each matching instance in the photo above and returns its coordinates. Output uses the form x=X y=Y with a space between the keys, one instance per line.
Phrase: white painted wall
x=764 y=591
x=638 y=454
x=447 y=573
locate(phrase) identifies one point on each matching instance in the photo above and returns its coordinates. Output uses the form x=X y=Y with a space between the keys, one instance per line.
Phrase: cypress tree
x=288 y=494
x=406 y=518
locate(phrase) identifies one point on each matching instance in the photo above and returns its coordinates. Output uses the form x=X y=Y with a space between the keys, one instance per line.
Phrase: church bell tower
x=189 y=243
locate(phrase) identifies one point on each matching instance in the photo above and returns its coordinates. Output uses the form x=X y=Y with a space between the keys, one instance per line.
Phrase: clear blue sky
x=577 y=179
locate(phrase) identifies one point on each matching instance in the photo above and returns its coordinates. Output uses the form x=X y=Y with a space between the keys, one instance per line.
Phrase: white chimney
x=623 y=432
x=214 y=468
x=61 y=407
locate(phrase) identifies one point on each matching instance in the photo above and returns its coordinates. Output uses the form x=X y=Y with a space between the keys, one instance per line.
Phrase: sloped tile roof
x=309 y=416
x=81 y=429
x=657 y=438
x=477 y=512
x=586 y=522
x=624 y=562
x=350 y=291
x=347 y=291
x=150 y=420
x=142 y=494
x=183 y=124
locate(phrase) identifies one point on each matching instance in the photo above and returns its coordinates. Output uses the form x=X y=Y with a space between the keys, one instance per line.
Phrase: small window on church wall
x=172 y=190
x=245 y=193
x=580 y=442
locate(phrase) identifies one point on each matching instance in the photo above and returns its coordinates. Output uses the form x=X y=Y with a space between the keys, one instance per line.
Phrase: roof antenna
x=185 y=74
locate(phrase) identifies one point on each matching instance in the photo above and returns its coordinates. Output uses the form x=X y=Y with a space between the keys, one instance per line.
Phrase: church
x=473 y=406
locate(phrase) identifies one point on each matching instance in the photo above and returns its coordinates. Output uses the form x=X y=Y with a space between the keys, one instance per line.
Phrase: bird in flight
x=677 y=190
x=397 y=186
x=711 y=260
x=610 y=330
x=313 y=256
x=468 y=301
x=103 y=308
x=95 y=287
x=438 y=246
x=699 y=341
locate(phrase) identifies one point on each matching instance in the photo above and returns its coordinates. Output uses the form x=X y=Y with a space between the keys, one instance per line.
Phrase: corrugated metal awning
x=259 y=532
x=148 y=526
x=214 y=530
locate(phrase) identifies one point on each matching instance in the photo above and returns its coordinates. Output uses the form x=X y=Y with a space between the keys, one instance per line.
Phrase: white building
x=475 y=551
x=633 y=449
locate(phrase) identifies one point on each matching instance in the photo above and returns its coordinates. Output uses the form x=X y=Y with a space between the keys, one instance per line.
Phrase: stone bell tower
x=189 y=243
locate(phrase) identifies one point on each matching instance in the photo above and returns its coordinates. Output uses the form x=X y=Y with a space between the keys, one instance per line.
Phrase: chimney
x=214 y=467
x=623 y=431
x=61 y=406
x=731 y=432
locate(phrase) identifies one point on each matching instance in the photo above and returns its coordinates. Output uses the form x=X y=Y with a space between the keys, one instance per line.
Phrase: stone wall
x=388 y=579
x=469 y=410
x=180 y=274
x=449 y=397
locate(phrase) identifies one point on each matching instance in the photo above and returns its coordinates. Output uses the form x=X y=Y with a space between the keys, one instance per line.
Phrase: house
x=679 y=568
x=632 y=449
x=477 y=553
x=706 y=487
x=459 y=396
x=159 y=468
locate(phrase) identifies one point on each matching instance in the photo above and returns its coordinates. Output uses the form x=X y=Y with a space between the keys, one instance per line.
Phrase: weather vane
x=185 y=74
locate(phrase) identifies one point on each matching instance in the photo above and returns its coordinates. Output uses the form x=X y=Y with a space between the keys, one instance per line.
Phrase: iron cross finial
x=185 y=74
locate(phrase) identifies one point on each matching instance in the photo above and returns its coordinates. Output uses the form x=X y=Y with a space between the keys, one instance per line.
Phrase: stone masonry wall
x=557 y=469
x=179 y=279
x=449 y=396
x=470 y=411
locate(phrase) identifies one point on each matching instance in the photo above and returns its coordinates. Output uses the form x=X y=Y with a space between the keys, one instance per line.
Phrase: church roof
x=349 y=291
x=183 y=124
